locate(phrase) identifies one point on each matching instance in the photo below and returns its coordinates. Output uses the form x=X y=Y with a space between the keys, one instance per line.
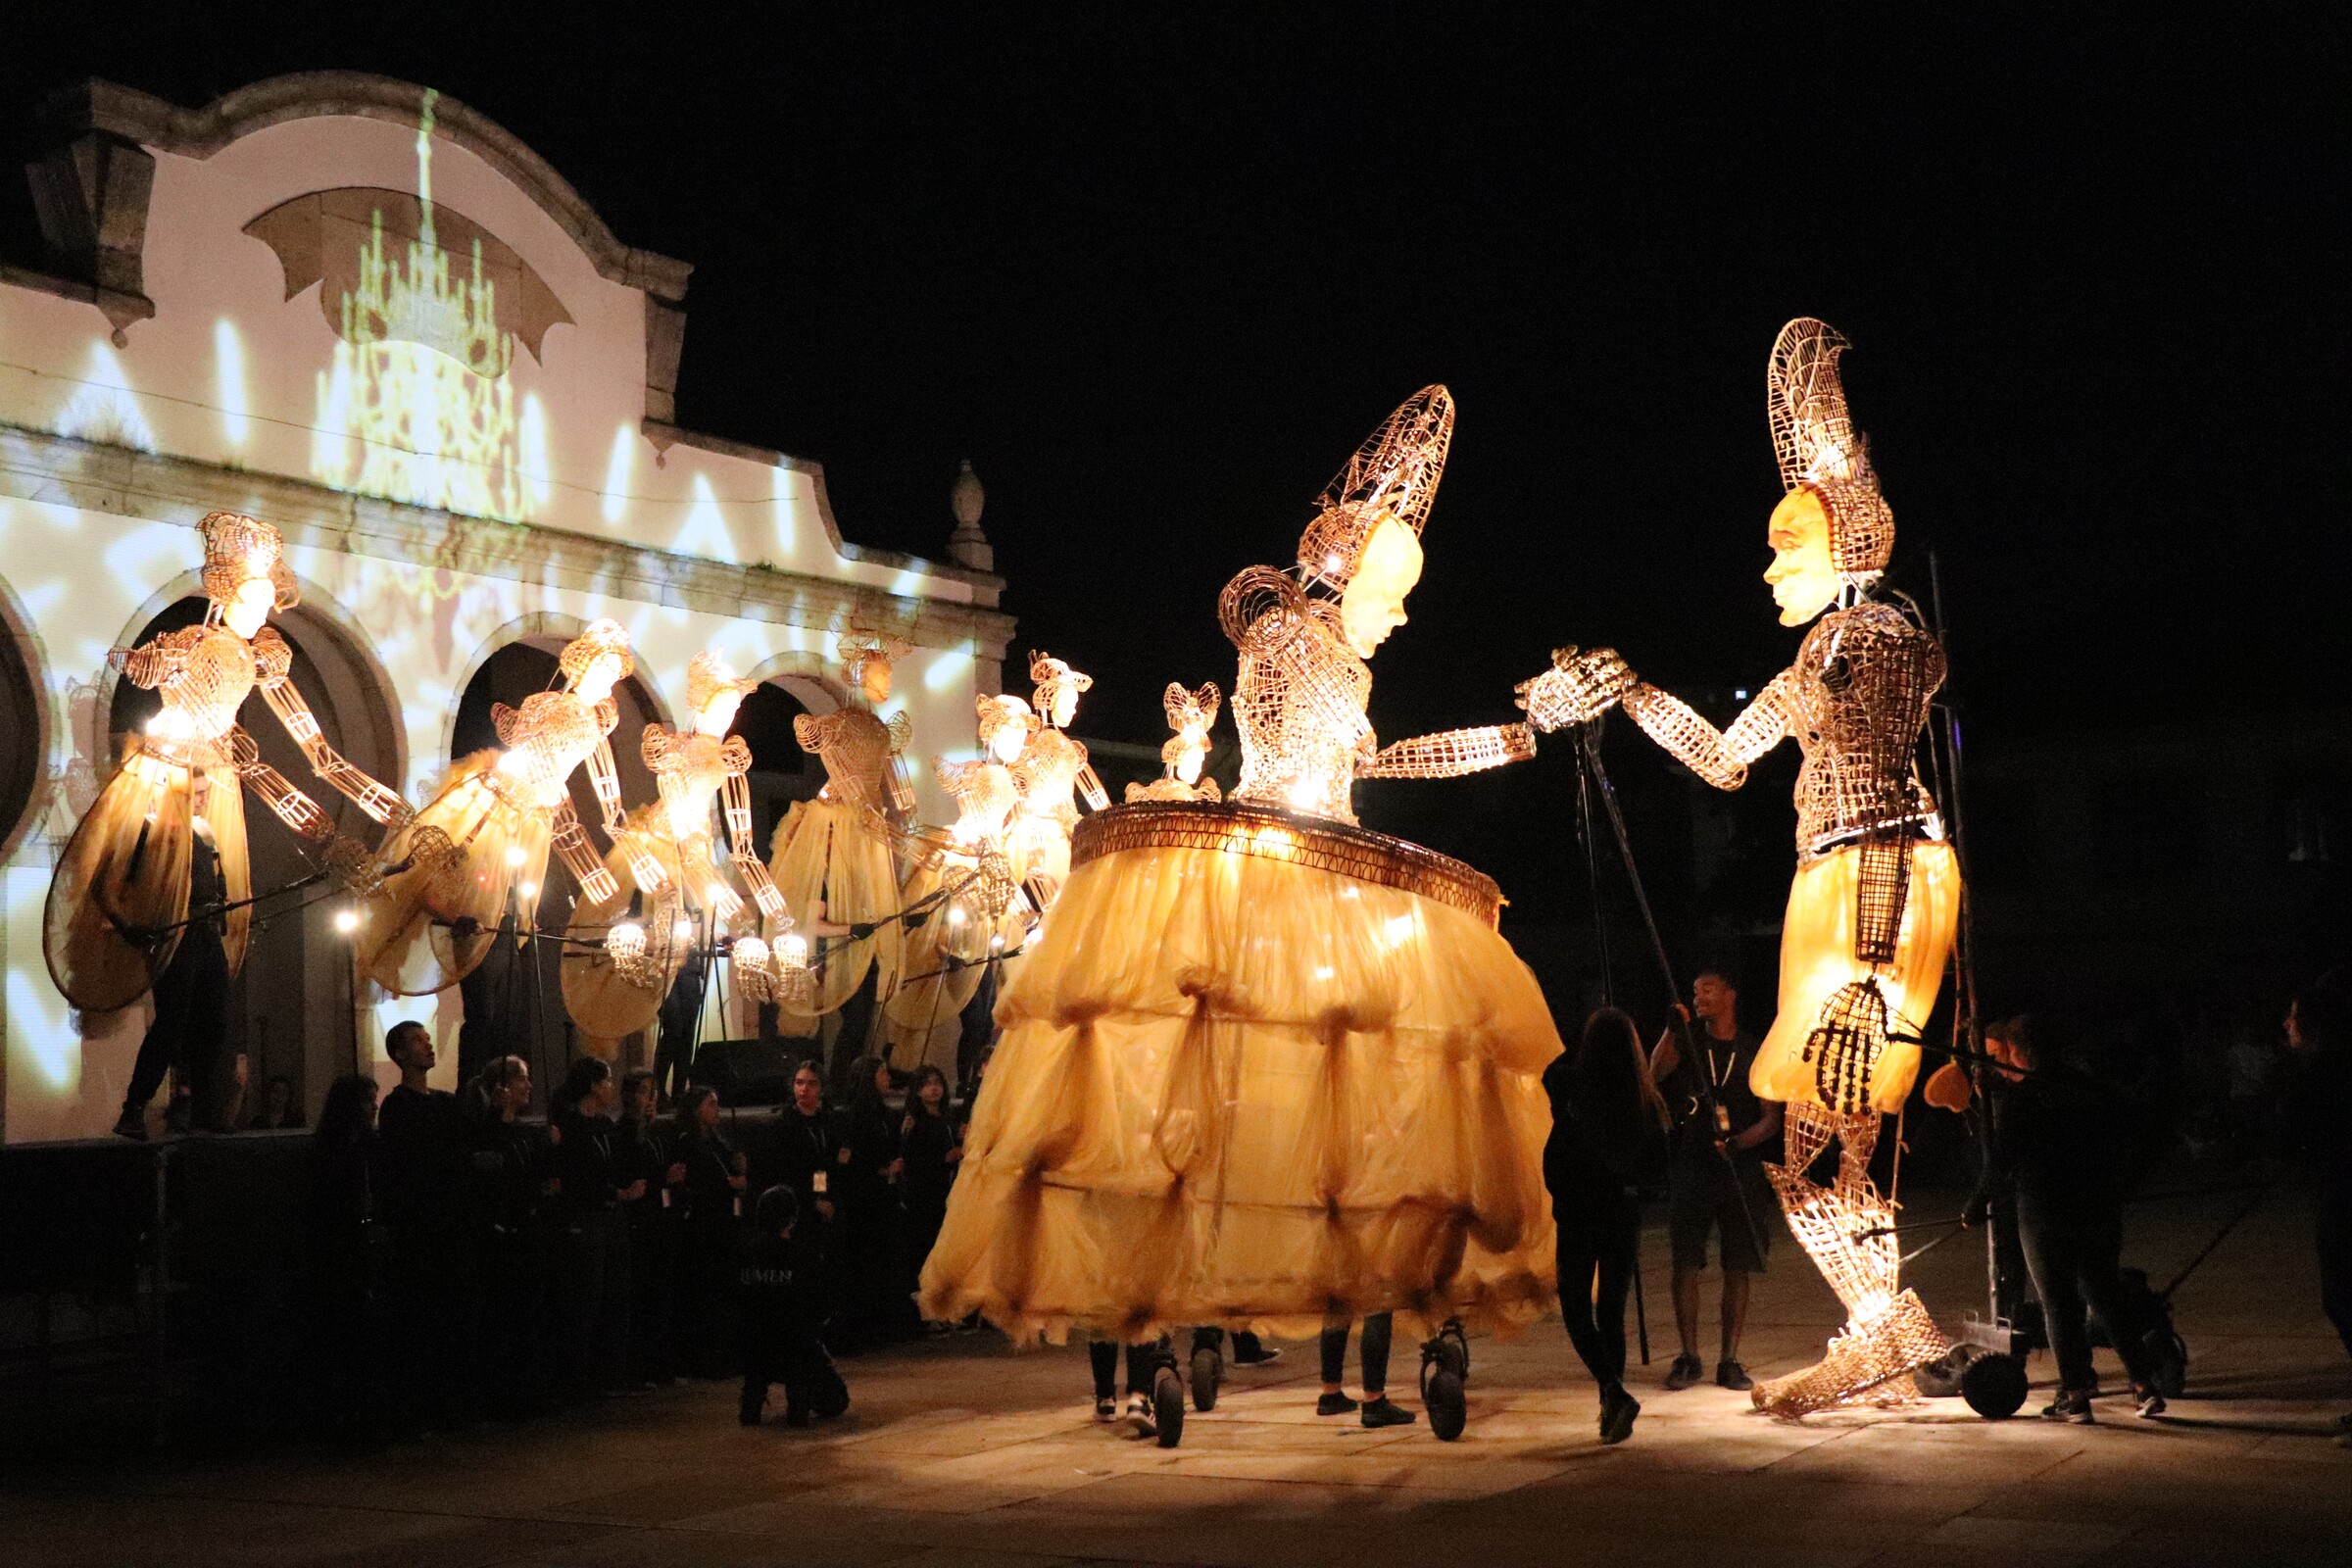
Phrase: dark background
x=1156 y=272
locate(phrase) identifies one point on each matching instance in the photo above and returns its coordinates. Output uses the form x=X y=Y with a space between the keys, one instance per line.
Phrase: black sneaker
x=1141 y=1417
x=2072 y=1406
x=1381 y=1412
x=1106 y=1409
x=131 y=1124
x=1266 y=1356
x=1617 y=1412
x=1334 y=1405
x=1730 y=1374
x=2146 y=1402
x=1687 y=1370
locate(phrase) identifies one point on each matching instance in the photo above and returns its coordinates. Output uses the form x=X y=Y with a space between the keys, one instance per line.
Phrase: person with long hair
x=705 y=1207
x=1608 y=1138
x=345 y=1176
x=879 y=1307
x=929 y=1151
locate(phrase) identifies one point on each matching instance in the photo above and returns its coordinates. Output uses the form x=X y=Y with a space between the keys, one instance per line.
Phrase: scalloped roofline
x=95 y=104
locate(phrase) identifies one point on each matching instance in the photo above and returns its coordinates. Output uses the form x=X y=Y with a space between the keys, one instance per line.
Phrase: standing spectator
x=1715 y=1179
x=647 y=1166
x=511 y=1181
x=783 y=1316
x=593 y=1186
x=705 y=1206
x=2319 y=1032
x=423 y=1140
x=347 y=1314
x=681 y=1012
x=879 y=1307
x=811 y=1151
x=2056 y=1145
x=931 y=1145
x=280 y=1110
x=1608 y=1139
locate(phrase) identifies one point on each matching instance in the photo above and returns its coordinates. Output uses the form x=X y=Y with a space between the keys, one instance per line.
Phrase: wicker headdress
x=600 y=638
x=1394 y=474
x=237 y=549
x=708 y=674
x=1052 y=676
x=1002 y=713
x=1819 y=451
x=861 y=645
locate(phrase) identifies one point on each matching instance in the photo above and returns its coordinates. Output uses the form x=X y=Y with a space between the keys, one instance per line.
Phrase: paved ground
x=967 y=1454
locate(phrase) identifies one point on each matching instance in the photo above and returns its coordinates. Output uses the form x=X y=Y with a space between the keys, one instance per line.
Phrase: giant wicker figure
x=1262 y=1068
x=503 y=808
x=1872 y=913
x=121 y=889
x=664 y=850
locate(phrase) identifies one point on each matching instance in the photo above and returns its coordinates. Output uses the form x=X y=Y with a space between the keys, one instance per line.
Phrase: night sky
x=1157 y=273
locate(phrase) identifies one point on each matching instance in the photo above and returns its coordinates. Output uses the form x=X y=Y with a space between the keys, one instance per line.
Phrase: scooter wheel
x=1209 y=1374
x=1167 y=1406
x=1994 y=1385
x=1448 y=1410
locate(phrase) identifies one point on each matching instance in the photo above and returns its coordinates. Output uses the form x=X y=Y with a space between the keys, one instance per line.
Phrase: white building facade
x=371 y=317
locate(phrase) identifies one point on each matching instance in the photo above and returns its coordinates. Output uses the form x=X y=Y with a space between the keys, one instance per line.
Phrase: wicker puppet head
x=1392 y=475
x=1819 y=451
x=1058 y=688
x=243 y=556
x=866 y=656
x=709 y=680
x=602 y=640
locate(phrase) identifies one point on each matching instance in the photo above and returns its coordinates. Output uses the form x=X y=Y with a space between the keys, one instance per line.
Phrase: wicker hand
x=1578 y=687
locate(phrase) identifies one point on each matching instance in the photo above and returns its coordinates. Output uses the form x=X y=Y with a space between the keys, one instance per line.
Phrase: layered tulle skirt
x=407 y=942
x=836 y=862
x=131 y=854
x=1248 y=1089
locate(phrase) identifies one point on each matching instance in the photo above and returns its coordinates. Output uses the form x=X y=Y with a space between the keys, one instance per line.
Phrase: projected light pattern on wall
x=418 y=405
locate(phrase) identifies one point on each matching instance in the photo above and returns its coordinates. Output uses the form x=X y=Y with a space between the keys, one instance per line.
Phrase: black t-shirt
x=1726 y=1063
x=423 y=1139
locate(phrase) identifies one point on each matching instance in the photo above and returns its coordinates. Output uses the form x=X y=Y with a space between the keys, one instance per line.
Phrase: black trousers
x=191 y=1019
x=799 y=1362
x=2334 y=1238
x=1595 y=1273
x=2071 y=1245
x=1143 y=1361
x=1373 y=1352
x=596 y=1300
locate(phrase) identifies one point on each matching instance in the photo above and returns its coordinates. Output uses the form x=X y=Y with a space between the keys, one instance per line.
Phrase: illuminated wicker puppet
x=125 y=871
x=618 y=965
x=834 y=857
x=1263 y=1067
x=1052 y=773
x=1191 y=714
x=1872 y=912
x=982 y=914
x=504 y=808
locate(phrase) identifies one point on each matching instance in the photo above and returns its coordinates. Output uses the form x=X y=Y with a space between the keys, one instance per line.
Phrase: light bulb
x=681 y=930
x=513 y=854
x=956 y=914
x=347 y=920
x=527 y=892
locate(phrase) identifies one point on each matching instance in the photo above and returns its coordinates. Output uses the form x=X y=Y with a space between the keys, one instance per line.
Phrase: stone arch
x=26 y=785
x=547 y=630
x=806 y=676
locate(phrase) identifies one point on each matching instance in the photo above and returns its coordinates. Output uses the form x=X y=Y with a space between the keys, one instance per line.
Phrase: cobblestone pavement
x=966 y=1452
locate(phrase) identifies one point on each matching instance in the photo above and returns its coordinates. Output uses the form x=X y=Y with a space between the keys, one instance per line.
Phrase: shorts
x=1703 y=1197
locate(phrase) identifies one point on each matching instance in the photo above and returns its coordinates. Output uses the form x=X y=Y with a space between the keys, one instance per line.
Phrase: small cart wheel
x=1994 y=1385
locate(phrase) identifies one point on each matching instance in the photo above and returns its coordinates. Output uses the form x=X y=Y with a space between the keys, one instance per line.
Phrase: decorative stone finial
x=967 y=546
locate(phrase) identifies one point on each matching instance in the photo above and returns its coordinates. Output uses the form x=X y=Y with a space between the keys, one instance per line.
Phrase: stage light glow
x=616 y=472
x=229 y=359
x=347 y=922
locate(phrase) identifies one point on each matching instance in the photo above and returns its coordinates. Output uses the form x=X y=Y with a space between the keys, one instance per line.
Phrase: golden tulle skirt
x=942 y=963
x=1253 y=1092
x=1817 y=956
x=835 y=863
x=131 y=849
x=401 y=945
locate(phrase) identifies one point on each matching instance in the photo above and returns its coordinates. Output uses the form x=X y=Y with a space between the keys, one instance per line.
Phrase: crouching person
x=783 y=1309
